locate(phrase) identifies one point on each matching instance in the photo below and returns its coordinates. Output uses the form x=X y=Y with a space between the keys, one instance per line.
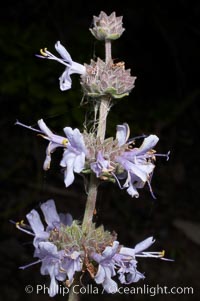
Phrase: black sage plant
x=66 y=248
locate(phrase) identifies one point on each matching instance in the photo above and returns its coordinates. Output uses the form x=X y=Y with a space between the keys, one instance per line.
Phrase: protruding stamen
x=163 y=155
x=162 y=253
x=29 y=265
x=43 y=51
x=27 y=126
x=21 y=226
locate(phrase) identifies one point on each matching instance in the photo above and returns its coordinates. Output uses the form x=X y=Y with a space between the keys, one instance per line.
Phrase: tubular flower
x=74 y=156
x=107 y=27
x=65 y=59
x=55 y=141
x=119 y=160
x=47 y=252
x=63 y=249
x=74 y=149
x=107 y=79
x=137 y=163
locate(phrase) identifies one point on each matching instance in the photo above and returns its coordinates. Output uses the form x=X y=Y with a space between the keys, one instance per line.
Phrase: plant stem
x=103 y=112
x=72 y=296
x=105 y=100
x=108 y=56
x=90 y=204
x=93 y=184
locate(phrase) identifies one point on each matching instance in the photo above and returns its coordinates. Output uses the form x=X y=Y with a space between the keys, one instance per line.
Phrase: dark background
x=161 y=46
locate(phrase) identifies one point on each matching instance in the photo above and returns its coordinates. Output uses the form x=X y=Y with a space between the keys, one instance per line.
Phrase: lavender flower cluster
x=116 y=160
x=63 y=249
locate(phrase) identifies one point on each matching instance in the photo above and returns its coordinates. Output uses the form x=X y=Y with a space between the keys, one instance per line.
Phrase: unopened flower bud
x=107 y=27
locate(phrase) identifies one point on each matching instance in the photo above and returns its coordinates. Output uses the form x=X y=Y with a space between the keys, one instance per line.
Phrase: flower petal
x=109 y=252
x=132 y=191
x=50 y=213
x=127 y=252
x=63 y=52
x=100 y=276
x=65 y=80
x=46 y=248
x=77 y=68
x=50 y=148
x=66 y=219
x=68 y=162
x=53 y=288
x=35 y=222
x=144 y=244
x=75 y=138
x=122 y=134
x=44 y=128
x=147 y=144
x=134 y=277
x=79 y=163
x=110 y=285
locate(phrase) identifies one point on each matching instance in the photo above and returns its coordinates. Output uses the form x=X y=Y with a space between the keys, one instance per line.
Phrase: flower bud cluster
x=109 y=79
x=107 y=27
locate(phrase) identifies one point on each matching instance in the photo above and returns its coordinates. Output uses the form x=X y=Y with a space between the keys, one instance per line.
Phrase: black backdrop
x=161 y=46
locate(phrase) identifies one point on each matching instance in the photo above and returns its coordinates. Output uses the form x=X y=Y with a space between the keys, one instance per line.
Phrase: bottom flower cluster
x=65 y=252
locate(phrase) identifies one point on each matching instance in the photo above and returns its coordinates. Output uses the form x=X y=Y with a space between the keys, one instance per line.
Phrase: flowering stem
x=90 y=204
x=108 y=51
x=105 y=100
x=93 y=185
x=103 y=112
x=72 y=296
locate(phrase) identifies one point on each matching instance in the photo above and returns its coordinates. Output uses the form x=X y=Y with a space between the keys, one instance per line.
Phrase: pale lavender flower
x=51 y=260
x=65 y=59
x=75 y=150
x=119 y=160
x=52 y=218
x=100 y=165
x=127 y=271
x=71 y=264
x=106 y=268
x=57 y=264
x=74 y=156
x=121 y=260
x=37 y=227
x=137 y=162
x=126 y=260
x=54 y=142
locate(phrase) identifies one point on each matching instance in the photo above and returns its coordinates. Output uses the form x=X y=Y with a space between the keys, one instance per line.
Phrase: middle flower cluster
x=116 y=159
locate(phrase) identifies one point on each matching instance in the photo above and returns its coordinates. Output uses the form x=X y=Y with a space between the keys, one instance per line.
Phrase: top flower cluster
x=97 y=78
